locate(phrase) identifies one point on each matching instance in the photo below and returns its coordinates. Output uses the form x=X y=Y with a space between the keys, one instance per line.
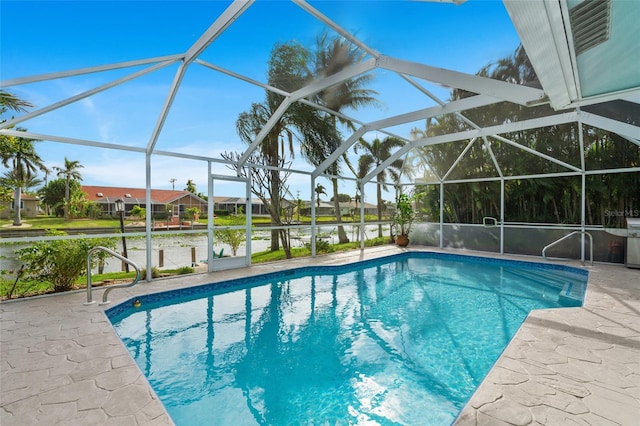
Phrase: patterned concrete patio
x=574 y=366
x=61 y=362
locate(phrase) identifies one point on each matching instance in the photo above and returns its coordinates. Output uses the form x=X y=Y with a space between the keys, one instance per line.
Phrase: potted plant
x=403 y=218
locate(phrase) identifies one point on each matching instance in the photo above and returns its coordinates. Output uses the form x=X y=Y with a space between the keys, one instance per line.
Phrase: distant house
x=179 y=201
x=232 y=204
x=348 y=208
x=29 y=206
x=325 y=208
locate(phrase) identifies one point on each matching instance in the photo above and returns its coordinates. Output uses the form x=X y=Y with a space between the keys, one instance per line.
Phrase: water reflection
x=378 y=344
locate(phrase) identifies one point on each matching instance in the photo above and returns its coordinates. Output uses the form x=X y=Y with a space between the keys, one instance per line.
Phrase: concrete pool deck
x=62 y=363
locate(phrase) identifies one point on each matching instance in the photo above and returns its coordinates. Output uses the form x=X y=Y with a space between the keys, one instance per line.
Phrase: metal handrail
x=564 y=238
x=106 y=292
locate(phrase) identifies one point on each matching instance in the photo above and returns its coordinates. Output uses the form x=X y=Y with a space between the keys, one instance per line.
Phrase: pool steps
x=570 y=288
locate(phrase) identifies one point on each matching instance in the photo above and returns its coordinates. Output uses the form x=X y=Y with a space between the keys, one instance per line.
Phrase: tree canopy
x=536 y=200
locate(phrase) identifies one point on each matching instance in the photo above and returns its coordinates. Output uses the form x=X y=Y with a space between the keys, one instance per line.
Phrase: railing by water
x=105 y=300
x=567 y=236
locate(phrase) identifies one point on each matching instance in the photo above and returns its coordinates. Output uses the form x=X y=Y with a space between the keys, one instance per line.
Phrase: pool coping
x=61 y=361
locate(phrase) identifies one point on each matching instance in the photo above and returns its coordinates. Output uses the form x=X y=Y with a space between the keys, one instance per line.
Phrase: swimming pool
x=399 y=340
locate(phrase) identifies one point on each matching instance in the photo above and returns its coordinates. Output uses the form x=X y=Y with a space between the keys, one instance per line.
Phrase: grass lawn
x=49 y=222
x=29 y=287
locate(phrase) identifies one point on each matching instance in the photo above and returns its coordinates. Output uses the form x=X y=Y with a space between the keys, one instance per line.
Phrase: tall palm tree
x=20 y=156
x=332 y=56
x=248 y=126
x=375 y=153
x=319 y=190
x=287 y=71
x=69 y=171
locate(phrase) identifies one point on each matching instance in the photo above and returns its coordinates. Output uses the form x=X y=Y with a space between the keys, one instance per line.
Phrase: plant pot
x=402 y=240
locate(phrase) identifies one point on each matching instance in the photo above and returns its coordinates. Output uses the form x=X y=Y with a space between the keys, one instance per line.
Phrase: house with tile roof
x=179 y=201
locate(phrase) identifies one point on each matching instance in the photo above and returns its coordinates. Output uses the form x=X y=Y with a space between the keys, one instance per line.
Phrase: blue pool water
x=402 y=340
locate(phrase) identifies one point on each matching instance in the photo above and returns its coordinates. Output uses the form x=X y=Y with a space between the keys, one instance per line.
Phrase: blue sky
x=38 y=37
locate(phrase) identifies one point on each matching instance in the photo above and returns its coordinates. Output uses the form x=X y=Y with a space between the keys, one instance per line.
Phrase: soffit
x=582 y=54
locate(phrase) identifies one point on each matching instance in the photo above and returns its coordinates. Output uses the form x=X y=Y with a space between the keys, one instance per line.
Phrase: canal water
x=175 y=251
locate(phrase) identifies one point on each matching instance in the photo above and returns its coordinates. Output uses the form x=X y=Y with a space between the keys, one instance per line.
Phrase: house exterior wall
x=30 y=208
x=188 y=202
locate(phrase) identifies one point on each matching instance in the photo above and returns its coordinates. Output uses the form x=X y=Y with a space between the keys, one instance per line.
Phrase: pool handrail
x=106 y=292
x=564 y=238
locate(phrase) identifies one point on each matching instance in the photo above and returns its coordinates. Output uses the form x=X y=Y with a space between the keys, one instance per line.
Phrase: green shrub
x=322 y=246
x=61 y=261
x=232 y=237
x=192 y=213
x=139 y=212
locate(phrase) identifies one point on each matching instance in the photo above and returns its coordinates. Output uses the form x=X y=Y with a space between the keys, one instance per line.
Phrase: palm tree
x=11 y=180
x=331 y=57
x=377 y=152
x=287 y=71
x=10 y=101
x=19 y=155
x=69 y=171
x=319 y=189
x=191 y=186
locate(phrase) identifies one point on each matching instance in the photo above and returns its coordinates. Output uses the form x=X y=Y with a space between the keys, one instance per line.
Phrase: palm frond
x=11 y=101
